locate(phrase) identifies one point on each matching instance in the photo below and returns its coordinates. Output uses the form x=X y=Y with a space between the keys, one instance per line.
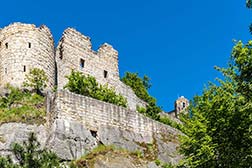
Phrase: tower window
x=5 y=70
x=6 y=45
x=29 y=45
x=105 y=74
x=24 y=68
x=82 y=63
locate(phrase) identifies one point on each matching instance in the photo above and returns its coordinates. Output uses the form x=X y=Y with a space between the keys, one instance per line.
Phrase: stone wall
x=94 y=114
x=23 y=47
x=74 y=52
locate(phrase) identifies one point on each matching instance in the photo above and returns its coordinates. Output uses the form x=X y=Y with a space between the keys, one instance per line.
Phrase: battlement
x=25 y=46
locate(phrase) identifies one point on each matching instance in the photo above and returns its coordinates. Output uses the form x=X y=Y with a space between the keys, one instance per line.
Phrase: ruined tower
x=180 y=105
x=23 y=47
x=74 y=52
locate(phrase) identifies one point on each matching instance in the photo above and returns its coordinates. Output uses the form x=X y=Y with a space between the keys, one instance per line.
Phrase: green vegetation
x=29 y=155
x=140 y=86
x=163 y=165
x=88 y=86
x=20 y=106
x=168 y=121
x=249 y=6
x=219 y=132
x=36 y=80
x=89 y=159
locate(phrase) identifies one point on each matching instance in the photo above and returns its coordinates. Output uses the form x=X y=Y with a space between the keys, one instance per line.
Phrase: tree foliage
x=219 y=134
x=88 y=86
x=36 y=79
x=140 y=87
x=249 y=6
x=29 y=155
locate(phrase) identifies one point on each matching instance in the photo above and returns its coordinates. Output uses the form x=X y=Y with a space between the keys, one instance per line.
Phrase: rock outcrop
x=77 y=124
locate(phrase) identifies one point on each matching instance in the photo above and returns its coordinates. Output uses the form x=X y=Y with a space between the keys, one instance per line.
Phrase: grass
x=24 y=107
x=89 y=159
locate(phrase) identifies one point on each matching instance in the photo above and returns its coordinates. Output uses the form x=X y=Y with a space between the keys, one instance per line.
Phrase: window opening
x=105 y=74
x=82 y=63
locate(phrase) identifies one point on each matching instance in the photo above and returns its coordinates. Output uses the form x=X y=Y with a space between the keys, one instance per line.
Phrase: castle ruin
x=75 y=123
x=25 y=46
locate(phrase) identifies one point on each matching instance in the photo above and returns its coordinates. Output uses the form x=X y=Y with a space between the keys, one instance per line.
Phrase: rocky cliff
x=77 y=124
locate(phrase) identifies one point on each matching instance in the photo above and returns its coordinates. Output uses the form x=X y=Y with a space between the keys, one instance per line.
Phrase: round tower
x=22 y=48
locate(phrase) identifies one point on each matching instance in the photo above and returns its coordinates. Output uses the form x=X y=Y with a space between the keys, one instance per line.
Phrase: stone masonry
x=93 y=113
x=25 y=46
x=74 y=52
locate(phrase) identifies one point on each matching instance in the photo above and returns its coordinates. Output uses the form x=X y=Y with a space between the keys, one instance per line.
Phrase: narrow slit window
x=105 y=74
x=24 y=68
x=82 y=63
x=5 y=70
x=29 y=45
x=6 y=45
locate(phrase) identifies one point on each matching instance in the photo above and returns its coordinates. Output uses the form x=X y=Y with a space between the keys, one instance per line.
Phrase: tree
x=219 y=132
x=140 y=87
x=36 y=79
x=249 y=6
x=29 y=155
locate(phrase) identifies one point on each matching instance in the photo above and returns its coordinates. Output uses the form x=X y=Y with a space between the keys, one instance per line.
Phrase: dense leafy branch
x=140 y=87
x=219 y=132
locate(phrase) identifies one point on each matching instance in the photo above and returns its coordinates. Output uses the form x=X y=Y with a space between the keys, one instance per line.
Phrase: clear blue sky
x=175 y=43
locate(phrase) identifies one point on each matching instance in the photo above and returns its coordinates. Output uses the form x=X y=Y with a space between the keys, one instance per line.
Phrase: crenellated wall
x=75 y=49
x=93 y=114
x=23 y=47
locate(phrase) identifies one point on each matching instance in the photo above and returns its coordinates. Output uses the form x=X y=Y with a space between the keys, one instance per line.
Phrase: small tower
x=180 y=104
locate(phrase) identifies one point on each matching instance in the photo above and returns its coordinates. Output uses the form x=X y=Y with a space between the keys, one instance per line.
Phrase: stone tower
x=74 y=52
x=181 y=104
x=23 y=47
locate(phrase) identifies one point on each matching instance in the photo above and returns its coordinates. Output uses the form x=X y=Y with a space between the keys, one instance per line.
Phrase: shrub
x=36 y=79
x=20 y=106
x=88 y=86
x=29 y=155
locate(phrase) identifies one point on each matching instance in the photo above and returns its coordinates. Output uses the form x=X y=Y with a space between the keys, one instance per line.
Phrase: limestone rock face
x=18 y=133
x=70 y=140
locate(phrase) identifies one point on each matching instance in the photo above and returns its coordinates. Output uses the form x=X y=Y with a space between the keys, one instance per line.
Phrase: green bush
x=168 y=121
x=88 y=86
x=20 y=106
x=30 y=155
x=36 y=79
x=140 y=87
